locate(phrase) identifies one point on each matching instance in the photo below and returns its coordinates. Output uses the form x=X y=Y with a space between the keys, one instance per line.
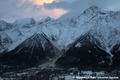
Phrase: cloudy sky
x=10 y=10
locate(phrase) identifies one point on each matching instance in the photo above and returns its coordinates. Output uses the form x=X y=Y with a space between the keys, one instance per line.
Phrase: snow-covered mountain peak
x=62 y=32
x=47 y=20
x=38 y=35
x=4 y=25
x=36 y=39
x=94 y=8
x=25 y=22
x=94 y=11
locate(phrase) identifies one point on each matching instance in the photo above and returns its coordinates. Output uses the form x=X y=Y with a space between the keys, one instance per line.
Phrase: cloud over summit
x=10 y=10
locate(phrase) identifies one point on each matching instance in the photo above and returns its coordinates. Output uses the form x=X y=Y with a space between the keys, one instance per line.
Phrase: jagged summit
x=92 y=19
x=94 y=9
x=4 y=25
x=36 y=40
x=24 y=21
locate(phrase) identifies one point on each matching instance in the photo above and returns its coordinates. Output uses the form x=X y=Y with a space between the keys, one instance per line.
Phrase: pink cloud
x=40 y=2
x=54 y=13
x=13 y=10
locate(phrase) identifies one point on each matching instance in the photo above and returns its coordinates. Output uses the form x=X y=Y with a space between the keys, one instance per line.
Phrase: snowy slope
x=21 y=30
x=103 y=25
x=4 y=25
x=5 y=41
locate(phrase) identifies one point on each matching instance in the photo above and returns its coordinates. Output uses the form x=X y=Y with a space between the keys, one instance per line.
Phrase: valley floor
x=60 y=74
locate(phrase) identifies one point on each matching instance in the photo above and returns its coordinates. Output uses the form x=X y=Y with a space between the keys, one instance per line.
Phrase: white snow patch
x=78 y=44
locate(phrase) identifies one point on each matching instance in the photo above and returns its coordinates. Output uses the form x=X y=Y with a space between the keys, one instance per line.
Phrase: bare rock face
x=84 y=53
x=31 y=52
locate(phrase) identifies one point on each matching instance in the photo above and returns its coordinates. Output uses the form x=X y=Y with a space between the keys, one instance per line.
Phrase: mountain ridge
x=94 y=25
x=78 y=25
